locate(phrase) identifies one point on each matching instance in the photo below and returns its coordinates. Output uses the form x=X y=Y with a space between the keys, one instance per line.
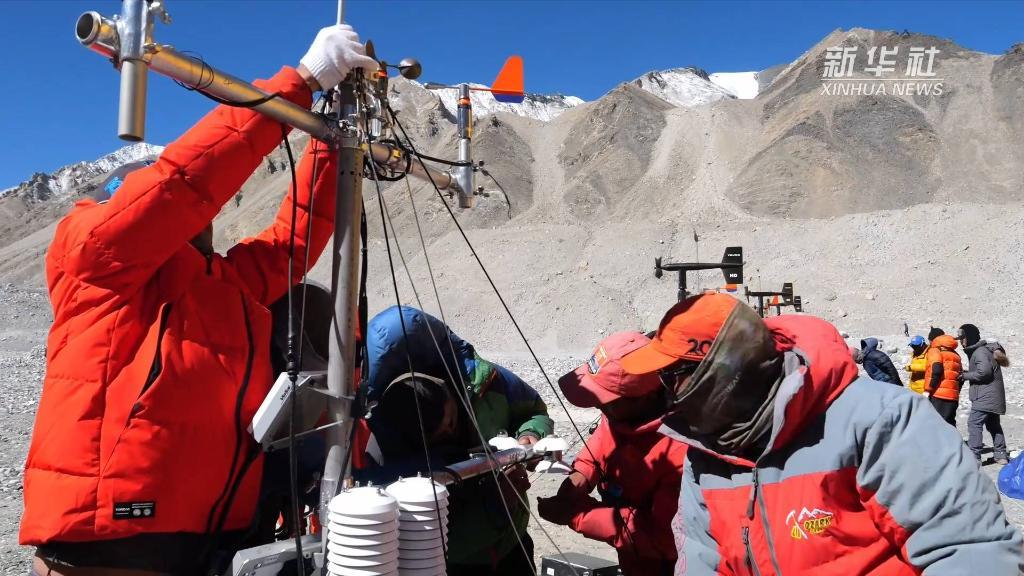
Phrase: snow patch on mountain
x=66 y=180
x=683 y=86
x=743 y=85
x=542 y=107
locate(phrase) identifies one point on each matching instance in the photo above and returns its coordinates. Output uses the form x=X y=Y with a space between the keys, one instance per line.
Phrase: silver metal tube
x=464 y=174
x=131 y=111
x=345 y=290
x=191 y=72
x=383 y=154
x=482 y=465
x=98 y=34
x=132 y=30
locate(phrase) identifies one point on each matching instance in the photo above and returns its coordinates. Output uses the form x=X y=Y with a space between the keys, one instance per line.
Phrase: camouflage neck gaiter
x=728 y=403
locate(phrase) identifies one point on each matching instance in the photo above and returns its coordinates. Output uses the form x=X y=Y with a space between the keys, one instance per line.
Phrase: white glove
x=335 y=51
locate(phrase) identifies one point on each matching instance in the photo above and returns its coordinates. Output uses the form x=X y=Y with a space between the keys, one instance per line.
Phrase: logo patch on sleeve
x=134 y=510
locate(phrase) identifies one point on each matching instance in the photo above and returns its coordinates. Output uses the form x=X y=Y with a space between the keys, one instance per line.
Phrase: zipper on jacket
x=768 y=537
x=751 y=563
x=157 y=366
x=753 y=496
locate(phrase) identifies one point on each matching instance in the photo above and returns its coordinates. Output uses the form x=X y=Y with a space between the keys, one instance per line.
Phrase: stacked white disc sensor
x=423 y=526
x=362 y=533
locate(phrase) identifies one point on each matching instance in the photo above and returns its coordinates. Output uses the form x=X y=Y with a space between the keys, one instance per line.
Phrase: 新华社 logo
x=807 y=523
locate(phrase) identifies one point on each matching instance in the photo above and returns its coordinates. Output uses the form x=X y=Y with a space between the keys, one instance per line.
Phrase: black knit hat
x=970 y=334
x=935 y=333
x=398 y=406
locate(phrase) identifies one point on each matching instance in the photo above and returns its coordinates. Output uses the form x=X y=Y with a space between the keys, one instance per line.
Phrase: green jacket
x=479 y=528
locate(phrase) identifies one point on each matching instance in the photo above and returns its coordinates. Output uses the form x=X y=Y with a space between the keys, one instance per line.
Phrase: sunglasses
x=670 y=375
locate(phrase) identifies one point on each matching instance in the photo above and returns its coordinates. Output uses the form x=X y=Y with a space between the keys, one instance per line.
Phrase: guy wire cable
x=293 y=368
x=468 y=407
x=313 y=143
x=412 y=201
x=405 y=336
x=601 y=473
x=483 y=269
x=412 y=147
x=385 y=220
x=487 y=454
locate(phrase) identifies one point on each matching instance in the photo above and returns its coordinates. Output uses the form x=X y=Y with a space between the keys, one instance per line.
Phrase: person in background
x=918 y=364
x=796 y=465
x=481 y=539
x=985 y=363
x=877 y=363
x=635 y=469
x=942 y=374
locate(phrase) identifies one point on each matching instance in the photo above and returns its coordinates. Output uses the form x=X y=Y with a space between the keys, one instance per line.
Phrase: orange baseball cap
x=687 y=332
x=602 y=380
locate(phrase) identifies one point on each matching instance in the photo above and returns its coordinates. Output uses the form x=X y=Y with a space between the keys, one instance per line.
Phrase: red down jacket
x=158 y=356
x=639 y=489
x=838 y=491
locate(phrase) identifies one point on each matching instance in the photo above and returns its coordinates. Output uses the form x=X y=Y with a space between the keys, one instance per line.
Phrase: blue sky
x=60 y=100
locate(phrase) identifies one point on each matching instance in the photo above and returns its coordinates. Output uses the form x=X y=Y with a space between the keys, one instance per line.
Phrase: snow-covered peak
x=129 y=153
x=743 y=85
x=537 y=106
x=683 y=86
x=64 y=181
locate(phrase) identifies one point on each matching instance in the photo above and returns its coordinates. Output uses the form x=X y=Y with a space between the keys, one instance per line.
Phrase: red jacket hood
x=815 y=350
x=826 y=364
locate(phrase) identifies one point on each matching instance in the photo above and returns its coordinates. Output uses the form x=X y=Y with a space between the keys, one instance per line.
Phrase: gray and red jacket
x=838 y=490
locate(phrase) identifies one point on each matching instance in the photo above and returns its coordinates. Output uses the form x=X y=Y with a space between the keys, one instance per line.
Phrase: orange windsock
x=508 y=86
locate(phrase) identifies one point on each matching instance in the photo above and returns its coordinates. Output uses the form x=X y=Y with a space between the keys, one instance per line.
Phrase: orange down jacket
x=943 y=351
x=158 y=355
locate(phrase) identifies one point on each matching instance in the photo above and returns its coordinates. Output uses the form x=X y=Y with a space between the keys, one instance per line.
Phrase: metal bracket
x=267 y=560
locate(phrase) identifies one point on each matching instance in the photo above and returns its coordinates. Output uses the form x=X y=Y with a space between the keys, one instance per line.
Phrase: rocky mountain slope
x=683 y=86
x=537 y=106
x=832 y=192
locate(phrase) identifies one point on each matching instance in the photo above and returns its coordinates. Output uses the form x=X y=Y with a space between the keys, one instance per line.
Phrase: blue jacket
x=479 y=532
x=877 y=363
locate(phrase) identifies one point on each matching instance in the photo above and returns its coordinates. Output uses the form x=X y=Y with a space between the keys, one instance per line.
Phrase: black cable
x=500 y=187
x=293 y=366
x=408 y=358
x=490 y=281
x=309 y=235
x=212 y=534
x=579 y=434
x=483 y=441
x=201 y=86
x=458 y=163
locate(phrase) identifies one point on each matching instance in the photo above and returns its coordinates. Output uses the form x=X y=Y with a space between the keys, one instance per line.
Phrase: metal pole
x=133 y=28
x=192 y=72
x=100 y=35
x=345 y=290
x=483 y=465
x=464 y=174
